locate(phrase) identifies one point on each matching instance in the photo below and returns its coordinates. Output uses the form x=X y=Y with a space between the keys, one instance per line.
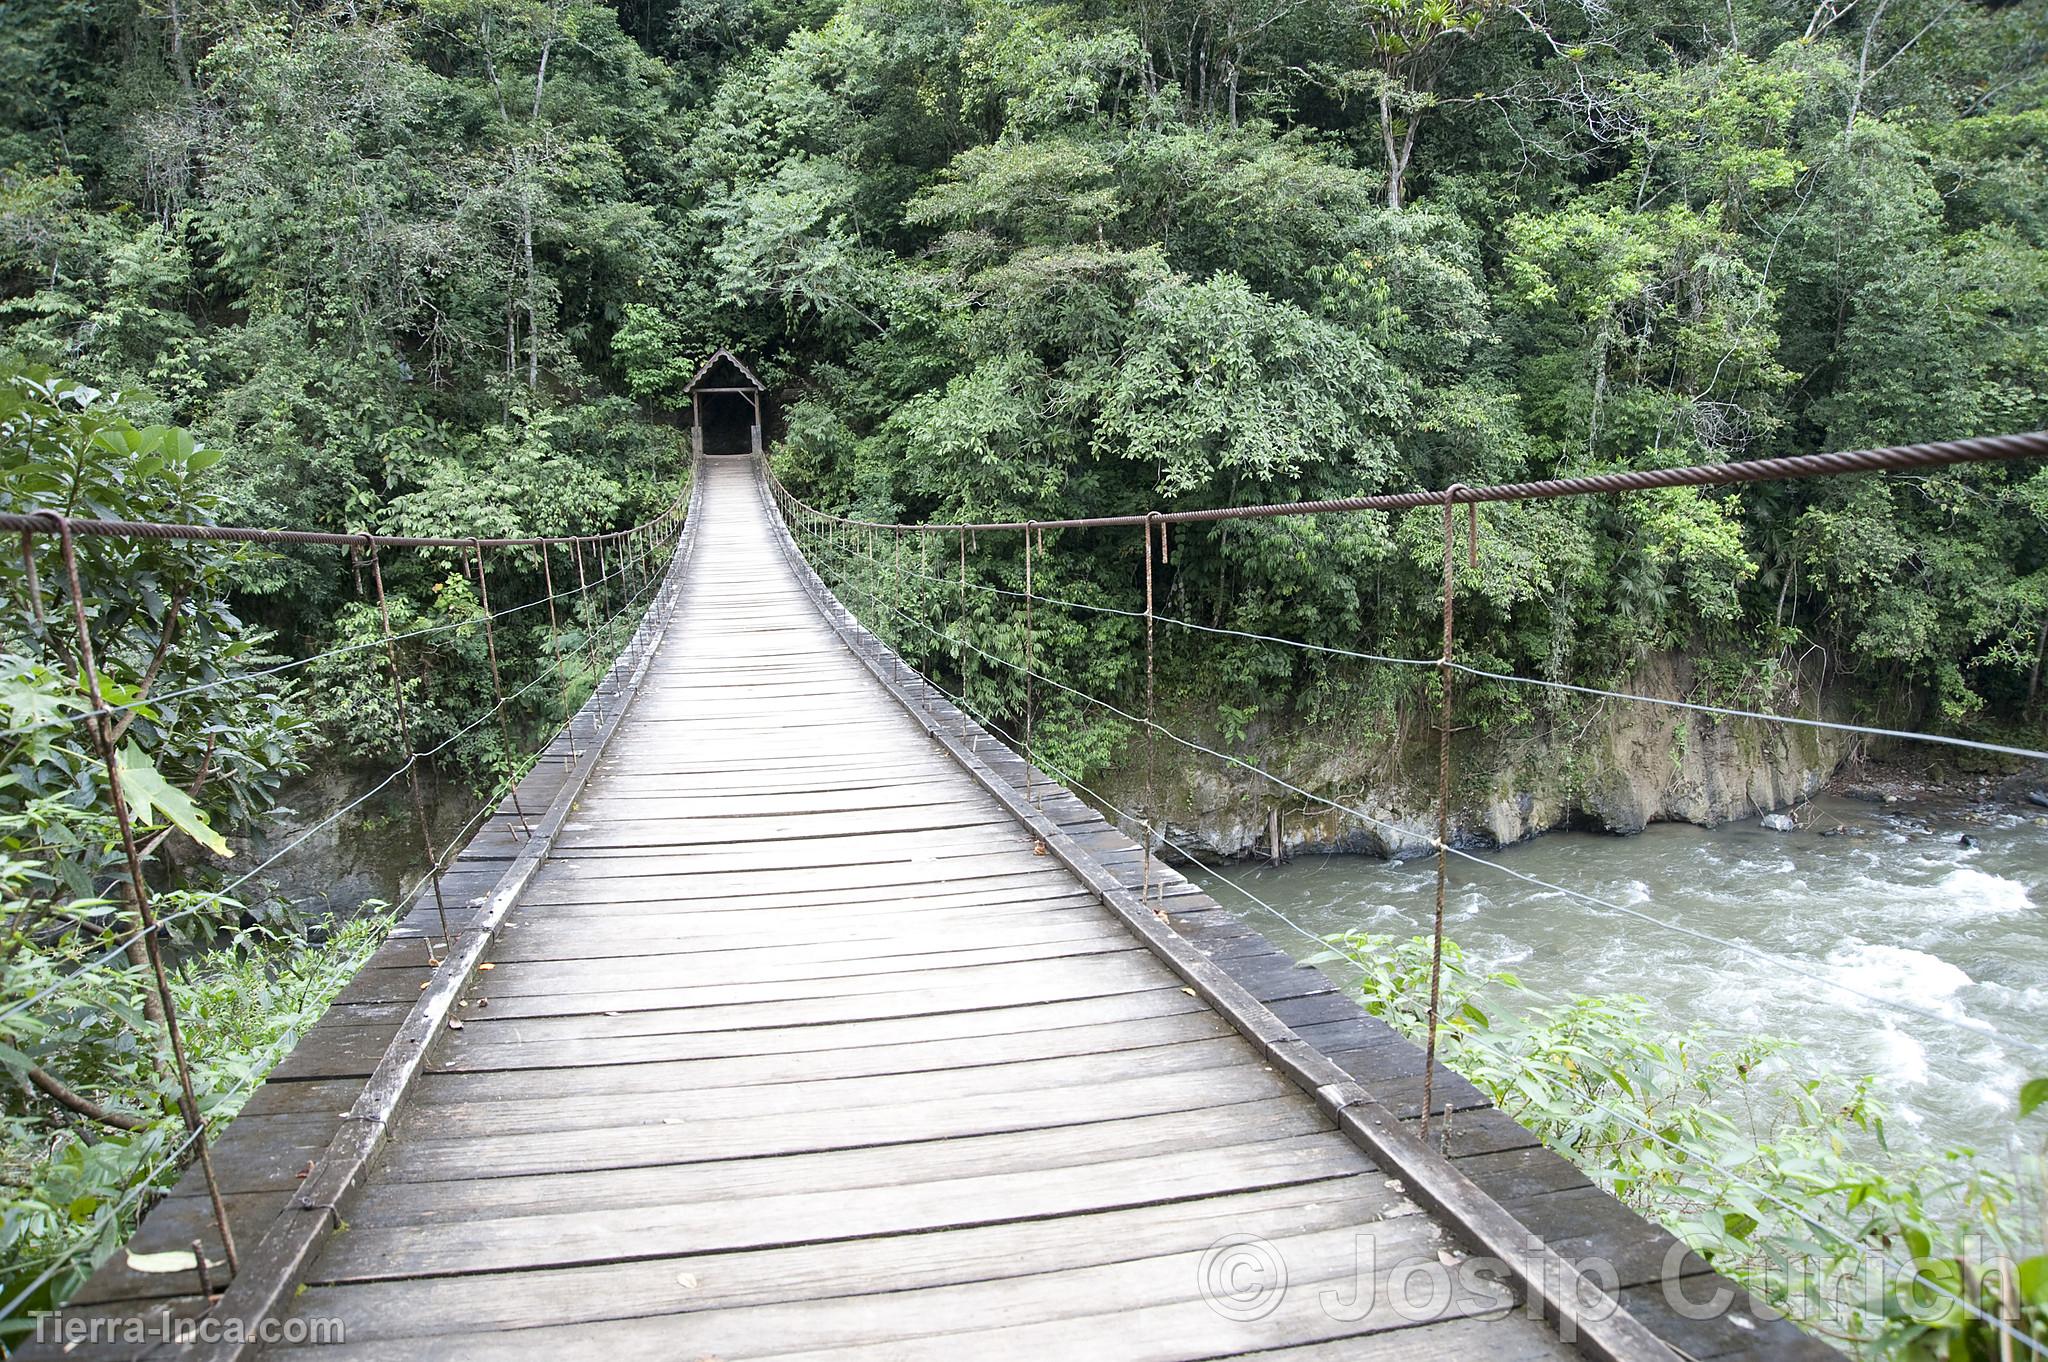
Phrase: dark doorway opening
x=728 y=423
x=725 y=407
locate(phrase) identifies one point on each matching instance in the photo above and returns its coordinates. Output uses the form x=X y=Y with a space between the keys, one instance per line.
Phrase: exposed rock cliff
x=1610 y=765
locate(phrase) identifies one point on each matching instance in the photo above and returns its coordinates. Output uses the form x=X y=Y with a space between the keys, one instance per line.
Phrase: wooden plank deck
x=796 y=1044
x=809 y=1035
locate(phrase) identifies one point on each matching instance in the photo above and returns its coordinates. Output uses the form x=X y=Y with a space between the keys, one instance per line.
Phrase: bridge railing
x=920 y=586
x=609 y=579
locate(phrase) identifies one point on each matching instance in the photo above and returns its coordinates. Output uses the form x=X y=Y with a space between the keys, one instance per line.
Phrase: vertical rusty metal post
x=589 y=624
x=606 y=594
x=145 y=913
x=31 y=582
x=961 y=651
x=547 y=577
x=1443 y=806
x=1030 y=685
x=498 y=685
x=1151 y=795
x=412 y=761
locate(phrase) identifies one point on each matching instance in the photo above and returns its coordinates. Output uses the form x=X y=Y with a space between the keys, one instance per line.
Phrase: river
x=1906 y=912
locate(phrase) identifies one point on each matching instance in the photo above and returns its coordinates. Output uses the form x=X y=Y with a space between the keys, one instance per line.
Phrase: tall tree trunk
x=532 y=293
x=540 y=75
x=2034 y=677
x=178 y=62
x=1393 y=155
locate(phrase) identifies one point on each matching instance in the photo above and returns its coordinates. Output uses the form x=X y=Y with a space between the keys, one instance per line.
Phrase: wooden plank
x=603 y=1084
x=528 y=1239
x=529 y=1107
x=477 y=1303
x=1163 y=1137
x=420 y=1159
x=732 y=1007
x=1144 y=1308
x=776 y=961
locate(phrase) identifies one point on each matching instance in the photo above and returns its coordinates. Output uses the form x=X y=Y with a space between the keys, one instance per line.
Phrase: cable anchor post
x=497 y=684
x=1451 y=496
x=1151 y=794
x=412 y=761
x=145 y=912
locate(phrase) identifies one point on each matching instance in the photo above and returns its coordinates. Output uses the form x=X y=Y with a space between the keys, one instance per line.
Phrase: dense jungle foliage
x=441 y=265
x=447 y=266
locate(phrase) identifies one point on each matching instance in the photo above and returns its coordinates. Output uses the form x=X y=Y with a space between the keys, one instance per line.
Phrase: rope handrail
x=1890 y=458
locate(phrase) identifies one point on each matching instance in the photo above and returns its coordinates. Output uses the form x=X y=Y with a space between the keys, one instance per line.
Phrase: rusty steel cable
x=45 y=522
x=1893 y=458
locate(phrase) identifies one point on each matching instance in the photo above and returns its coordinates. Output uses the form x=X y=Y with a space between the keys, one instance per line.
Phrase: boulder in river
x=2038 y=797
x=1779 y=822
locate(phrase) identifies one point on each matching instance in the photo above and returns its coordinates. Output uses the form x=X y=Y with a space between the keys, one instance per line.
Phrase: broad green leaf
x=2033 y=1280
x=2032 y=1094
x=147 y=790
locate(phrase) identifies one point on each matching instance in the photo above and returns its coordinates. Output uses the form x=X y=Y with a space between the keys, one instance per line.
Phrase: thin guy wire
x=1842 y=1233
x=1779 y=962
x=214 y=897
x=1717 y=711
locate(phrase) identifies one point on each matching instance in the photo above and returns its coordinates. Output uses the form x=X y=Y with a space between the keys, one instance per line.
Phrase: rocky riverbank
x=1599 y=766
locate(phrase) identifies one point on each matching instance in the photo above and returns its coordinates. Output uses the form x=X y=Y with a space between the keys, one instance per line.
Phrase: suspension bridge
x=784 y=1009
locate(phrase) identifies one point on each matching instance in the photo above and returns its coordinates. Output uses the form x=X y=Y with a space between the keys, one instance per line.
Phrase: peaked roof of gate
x=724 y=354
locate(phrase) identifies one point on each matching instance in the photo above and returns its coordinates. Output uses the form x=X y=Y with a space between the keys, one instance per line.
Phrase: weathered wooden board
x=625 y=1290
x=1163 y=1137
